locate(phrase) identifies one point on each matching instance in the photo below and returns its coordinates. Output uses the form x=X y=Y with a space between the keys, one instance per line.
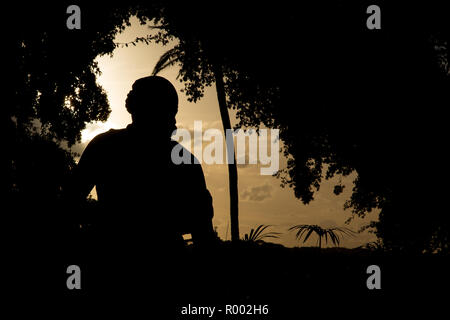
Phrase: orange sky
x=262 y=200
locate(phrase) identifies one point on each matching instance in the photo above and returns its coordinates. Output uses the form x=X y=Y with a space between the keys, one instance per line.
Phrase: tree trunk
x=231 y=160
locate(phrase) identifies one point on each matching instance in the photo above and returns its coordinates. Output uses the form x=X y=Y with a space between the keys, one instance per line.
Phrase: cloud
x=258 y=193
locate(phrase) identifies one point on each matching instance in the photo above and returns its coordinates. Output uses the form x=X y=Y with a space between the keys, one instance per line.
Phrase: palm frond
x=257 y=235
x=309 y=234
x=334 y=234
x=168 y=59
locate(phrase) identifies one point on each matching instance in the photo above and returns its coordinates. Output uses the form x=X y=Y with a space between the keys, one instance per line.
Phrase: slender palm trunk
x=232 y=168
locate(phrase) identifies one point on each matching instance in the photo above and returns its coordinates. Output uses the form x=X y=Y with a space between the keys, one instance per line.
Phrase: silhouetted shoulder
x=98 y=149
x=103 y=141
x=109 y=135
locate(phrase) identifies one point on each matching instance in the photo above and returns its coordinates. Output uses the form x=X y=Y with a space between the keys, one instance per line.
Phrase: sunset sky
x=262 y=200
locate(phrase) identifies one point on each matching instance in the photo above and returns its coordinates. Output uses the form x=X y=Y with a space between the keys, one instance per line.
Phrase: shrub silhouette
x=257 y=235
x=334 y=233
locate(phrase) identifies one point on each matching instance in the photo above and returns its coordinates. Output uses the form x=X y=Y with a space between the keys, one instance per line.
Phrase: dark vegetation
x=291 y=281
x=345 y=99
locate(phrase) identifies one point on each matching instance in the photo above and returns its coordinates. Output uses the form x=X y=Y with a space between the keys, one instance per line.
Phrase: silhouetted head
x=153 y=104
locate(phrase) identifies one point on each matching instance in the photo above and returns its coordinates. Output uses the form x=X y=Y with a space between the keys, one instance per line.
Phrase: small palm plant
x=257 y=235
x=335 y=233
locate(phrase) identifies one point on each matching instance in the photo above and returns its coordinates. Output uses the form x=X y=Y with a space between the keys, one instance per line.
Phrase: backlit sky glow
x=262 y=200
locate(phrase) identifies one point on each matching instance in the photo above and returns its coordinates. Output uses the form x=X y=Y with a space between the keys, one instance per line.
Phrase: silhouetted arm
x=202 y=229
x=193 y=207
x=82 y=179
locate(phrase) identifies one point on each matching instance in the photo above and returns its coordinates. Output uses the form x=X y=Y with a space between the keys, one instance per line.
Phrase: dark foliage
x=346 y=99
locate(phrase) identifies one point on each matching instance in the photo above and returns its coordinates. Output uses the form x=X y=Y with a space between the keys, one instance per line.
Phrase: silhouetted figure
x=146 y=202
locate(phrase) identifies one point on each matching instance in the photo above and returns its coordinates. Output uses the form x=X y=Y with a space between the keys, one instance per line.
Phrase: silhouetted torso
x=146 y=201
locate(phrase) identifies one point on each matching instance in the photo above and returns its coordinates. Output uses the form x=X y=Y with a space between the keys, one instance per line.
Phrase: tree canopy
x=345 y=98
x=52 y=94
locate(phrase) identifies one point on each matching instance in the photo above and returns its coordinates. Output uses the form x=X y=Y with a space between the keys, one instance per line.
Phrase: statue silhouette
x=146 y=202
